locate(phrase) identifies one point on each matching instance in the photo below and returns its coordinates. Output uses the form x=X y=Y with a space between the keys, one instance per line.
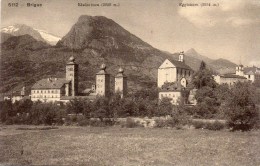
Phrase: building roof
x=251 y=70
x=170 y=87
x=50 y=83
x=102 y=72
x=179 y=64
x=120 y=75
x=78 y=97
x=232 y=76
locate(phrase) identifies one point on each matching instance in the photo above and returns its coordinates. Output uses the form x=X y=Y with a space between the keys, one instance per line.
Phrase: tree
x=43 y=113
x=202 y=65
x=6 y=110
x=203 y=77
x=165 y=107
x=101 y=109
x=241 y=111
x=75 y=106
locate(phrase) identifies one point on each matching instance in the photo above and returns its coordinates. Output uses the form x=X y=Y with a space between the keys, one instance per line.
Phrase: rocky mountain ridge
x=22 y=29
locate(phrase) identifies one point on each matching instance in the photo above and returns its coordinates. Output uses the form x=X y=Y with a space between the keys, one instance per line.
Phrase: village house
x=17 y=95
x=241 y=74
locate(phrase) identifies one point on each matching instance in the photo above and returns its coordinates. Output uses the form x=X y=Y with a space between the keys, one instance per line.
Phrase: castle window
x=248 y=76
x=161 y=95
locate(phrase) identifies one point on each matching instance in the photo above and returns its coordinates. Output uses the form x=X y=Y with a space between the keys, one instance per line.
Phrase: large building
x=53 y=89
x=241 y=74
x=173 y=77
x=121 y=83
x=174 y=71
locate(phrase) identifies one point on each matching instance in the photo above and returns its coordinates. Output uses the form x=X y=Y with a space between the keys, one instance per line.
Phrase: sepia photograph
x=130 y=82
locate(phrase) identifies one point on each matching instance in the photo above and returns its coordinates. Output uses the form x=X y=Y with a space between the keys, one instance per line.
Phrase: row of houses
x=241 y=74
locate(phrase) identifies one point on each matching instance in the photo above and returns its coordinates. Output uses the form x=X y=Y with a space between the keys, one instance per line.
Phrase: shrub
x=198 y=124
x=242 y=113
x=160 y=123
x=214 y=126
x=131 y=123
x=84 y=122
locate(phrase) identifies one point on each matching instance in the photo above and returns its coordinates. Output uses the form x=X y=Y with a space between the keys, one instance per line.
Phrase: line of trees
x=236 y=103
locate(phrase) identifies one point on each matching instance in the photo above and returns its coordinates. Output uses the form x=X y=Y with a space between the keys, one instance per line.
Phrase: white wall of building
x=46 y=95
x=173 y=95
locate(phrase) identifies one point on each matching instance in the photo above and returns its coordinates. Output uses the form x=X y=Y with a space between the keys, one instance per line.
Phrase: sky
x=230 y=29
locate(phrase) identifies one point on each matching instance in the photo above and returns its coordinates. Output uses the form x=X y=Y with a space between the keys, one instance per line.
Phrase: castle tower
x=72 y=75
x=121 y=83
x=103 y=82
x=181 y=56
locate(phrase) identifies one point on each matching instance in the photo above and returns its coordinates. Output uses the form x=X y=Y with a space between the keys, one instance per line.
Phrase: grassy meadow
x=126 y=146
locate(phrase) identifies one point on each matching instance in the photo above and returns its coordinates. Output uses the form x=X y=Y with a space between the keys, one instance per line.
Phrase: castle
x=65 y=89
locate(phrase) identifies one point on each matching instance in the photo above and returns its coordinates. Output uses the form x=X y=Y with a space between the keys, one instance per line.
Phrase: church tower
x=72 y=75
x=240 y=70
x=103 y=82
x=121 y=83
x=181 y=56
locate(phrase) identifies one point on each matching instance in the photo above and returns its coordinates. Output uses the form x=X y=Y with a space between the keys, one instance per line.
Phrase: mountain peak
x=83 y=18
x=191 y=51
x=100 y=33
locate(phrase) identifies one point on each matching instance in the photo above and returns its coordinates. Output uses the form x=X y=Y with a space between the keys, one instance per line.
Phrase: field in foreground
x=124 y=146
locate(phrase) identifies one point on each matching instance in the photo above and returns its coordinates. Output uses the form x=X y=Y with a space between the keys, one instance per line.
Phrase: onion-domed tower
x=103 y=82
x=72 y=75
x=121 y=82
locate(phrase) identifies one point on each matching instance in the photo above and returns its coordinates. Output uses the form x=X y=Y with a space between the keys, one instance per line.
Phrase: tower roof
x=71 y=60
x=120 y=72
x=103 y=66
x=102 y=70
